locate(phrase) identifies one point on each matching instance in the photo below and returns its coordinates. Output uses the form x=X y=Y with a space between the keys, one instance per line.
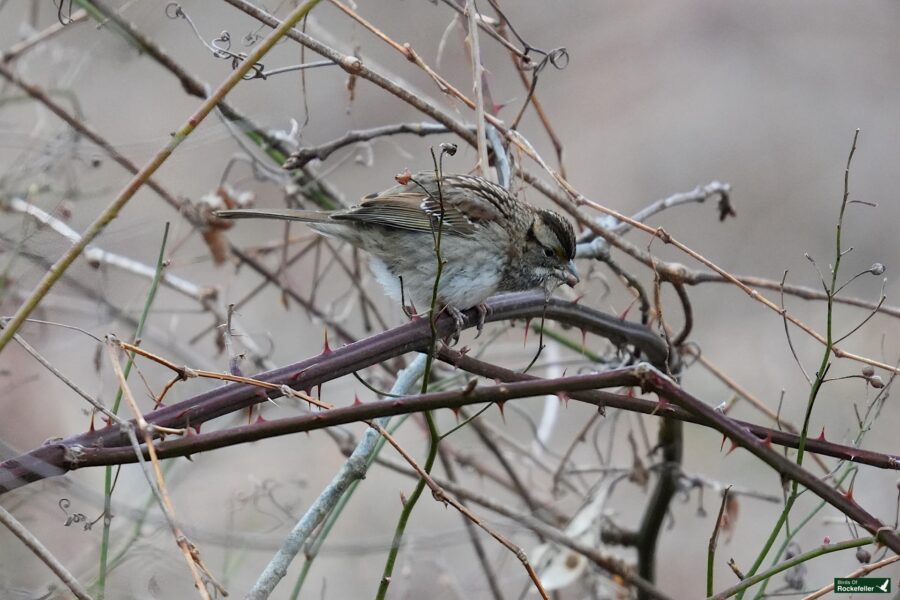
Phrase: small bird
x=490 y=242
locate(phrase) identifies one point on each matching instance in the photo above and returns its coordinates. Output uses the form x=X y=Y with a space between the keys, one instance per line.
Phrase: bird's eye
x=548 y=252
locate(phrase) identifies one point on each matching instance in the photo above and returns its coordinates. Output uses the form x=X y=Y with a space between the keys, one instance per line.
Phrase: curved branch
x=63 y=455
x=303 y=156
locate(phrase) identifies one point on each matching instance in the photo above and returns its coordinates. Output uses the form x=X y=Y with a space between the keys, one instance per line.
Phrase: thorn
x=662 y=404
x=583 y=340
x=91 y=428
x=564 y=398
x=821 y=437
x=577 y=299
x=196 y=429
x=849 y=494
x=767 y=442
x=356 y=400
x=249 y=414
x=500 y=404
x=527 y=329
x=734 y=447
x=722 y=445
x=260 y=419
x=319 y=395
x=326 y=349
x=456 y=410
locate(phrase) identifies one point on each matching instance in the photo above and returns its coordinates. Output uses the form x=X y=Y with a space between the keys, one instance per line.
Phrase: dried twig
x=352 y=470
x=478 y=84
x=190 y=552
x=304 y=156
x=112 y=211
x=41 y=551
x=16 y=50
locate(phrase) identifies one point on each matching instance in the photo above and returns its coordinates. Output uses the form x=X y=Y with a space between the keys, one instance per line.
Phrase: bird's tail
x=319 y=221
x=284 y=214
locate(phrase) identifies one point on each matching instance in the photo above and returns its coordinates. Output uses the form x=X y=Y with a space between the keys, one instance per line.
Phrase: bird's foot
x=483 y=311
x=459 y=320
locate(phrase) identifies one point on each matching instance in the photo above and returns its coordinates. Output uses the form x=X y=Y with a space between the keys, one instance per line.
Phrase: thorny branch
x=111 y=446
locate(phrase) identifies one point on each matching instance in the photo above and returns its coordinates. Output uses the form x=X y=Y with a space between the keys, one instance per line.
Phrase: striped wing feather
x=412 y=211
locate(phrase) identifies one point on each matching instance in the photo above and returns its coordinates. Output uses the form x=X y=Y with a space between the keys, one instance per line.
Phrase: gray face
x=549 y=247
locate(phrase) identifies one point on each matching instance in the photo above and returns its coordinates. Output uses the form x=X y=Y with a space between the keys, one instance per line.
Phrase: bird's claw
x=483 y=311
x=459 y=320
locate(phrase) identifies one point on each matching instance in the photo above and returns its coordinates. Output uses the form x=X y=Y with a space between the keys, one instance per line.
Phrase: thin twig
x=865 y=570
x=441 y=496
x=187 y=372
x=353 y=469
x=112 y=211
x=477 y=81
x=96 y=403
x=303 y=156
x=97 y=256
x=605 y=561
x=188 y=550
x=43 y=553
x=16 y=50
x=713 y=543
x=477 y=546
x=789 y=564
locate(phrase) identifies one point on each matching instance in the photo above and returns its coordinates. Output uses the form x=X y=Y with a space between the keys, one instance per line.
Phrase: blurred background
x=656 y=98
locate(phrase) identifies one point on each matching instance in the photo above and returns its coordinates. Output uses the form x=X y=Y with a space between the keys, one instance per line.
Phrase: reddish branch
x=63 y=455
x=110 y=446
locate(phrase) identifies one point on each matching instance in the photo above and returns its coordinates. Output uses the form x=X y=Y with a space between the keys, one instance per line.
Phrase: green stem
x=820 y=374
x=788 y=564
x=408 y=508
x=434 y=436
x=790 y=536
x=108 y=477
x=713 y=542
x=312 y=550
x=335 y=514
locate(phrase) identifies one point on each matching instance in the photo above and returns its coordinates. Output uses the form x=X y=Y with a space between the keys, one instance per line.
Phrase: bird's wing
x=419 y=204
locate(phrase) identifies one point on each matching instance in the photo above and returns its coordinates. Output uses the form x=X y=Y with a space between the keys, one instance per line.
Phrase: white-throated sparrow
x=490 y=241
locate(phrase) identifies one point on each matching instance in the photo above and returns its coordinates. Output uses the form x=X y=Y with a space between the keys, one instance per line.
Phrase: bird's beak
x=571 y=274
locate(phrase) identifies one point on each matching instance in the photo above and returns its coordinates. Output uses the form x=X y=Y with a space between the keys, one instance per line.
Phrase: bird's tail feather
x=284 y=214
